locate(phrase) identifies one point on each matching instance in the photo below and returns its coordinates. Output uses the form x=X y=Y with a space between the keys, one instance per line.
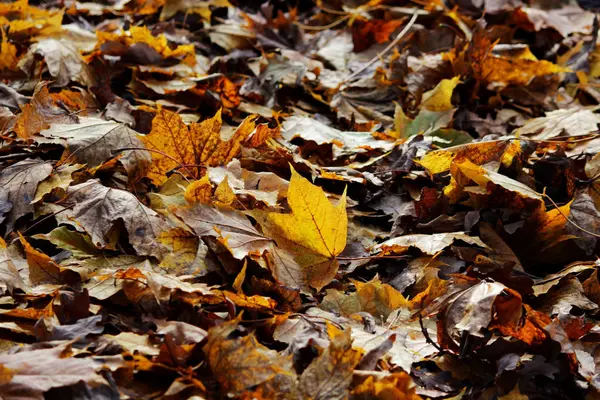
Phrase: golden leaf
x=8 y=53
x=314 y=222
x=187 y=148
x=398 y=385
x=224 y=194
x=199 y=191
x=22 y=18
x=439 y=161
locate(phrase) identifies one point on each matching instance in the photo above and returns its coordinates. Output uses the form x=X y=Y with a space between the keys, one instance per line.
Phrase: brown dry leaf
x=96 y=208
x=63 y=60
x=42 y=269
x=186 y=148
x=18 y=185
x=565 y=123
x=9 y=274
x=30 y=373
x=242 y=363
x=330 y=374
x=94 y=141
x=39 y=114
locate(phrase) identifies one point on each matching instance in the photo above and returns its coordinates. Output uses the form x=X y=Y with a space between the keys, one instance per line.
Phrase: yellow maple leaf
x=178 y=146
x=314 y=222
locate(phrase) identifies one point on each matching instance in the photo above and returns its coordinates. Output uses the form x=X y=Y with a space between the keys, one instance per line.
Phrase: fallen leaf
x=242 y=363
x=330 y=374
x=231 y=227
x=96 y=208
x=398 y=385
x=94 y=141
x=34 y=372
x=428 y=244
x=188 y=148
x=558 y=123
x=20 y=182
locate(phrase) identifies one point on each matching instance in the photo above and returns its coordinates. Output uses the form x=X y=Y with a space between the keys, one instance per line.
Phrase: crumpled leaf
x=29 y=374
x=63 y=60
x=20 y=181
x=141 y=35
x=242 y=363
x=330 y=374
x=342 y=143
x=93 y=141
x=39 y=114
x=376 y=298
x=96 y=208
x=398 y=385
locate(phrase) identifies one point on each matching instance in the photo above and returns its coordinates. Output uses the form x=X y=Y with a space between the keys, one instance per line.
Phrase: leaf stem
x=388 y=48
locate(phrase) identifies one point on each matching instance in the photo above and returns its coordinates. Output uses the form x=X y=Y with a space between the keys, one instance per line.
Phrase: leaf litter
x=299 y=200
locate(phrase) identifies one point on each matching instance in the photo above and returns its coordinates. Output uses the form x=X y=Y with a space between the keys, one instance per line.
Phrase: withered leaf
x=93 y=141
x=96 y=208
x=330 y=374
x=242 y=363
x=20 y=181
x=31 y=373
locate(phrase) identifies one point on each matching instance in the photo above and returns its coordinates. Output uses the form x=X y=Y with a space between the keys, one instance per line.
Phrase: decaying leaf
x=94 y=141
x=260 y=366
x=20 y=182
x=31 y=373
x=96 y=209
x=329 y=375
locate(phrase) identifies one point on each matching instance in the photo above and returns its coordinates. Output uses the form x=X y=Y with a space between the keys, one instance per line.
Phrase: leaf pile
x=299 y=200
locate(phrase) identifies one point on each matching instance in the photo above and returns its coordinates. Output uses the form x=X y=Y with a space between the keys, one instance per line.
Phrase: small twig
x=322 y=27
x=388 y=48
x=427 y=337
x=16 y=156
x=567 y=218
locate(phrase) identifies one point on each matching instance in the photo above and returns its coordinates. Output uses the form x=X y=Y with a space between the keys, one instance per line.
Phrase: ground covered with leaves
x=299 y=200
